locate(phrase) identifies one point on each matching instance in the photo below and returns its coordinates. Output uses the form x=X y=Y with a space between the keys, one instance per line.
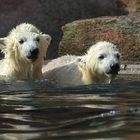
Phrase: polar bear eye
x=37 y=39
x=101 y=57
x=118 y=56
x=21 y=41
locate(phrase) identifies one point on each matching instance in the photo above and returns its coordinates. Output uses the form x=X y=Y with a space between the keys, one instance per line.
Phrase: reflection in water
x=11 y=136
x=41 y=111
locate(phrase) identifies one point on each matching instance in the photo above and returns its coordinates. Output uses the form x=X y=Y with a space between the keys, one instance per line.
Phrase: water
x=41 y=111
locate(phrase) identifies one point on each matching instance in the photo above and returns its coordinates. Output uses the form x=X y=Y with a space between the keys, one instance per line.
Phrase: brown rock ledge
x=123 y=31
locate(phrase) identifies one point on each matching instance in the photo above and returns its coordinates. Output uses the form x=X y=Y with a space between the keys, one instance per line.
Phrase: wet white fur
x=15 y=64
x=87 y=69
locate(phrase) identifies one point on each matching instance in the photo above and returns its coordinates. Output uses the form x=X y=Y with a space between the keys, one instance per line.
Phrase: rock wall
x=129 y=5
x=50 y=15
x=123 y=31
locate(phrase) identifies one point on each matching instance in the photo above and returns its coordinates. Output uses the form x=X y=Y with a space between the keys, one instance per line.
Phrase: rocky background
x=50 y=15
x=123 y=31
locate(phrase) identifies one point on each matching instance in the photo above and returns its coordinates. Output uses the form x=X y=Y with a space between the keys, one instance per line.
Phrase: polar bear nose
x=115 y=67
x=33 y=54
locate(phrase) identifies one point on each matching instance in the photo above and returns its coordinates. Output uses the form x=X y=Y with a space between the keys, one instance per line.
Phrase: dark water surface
x=39 y=111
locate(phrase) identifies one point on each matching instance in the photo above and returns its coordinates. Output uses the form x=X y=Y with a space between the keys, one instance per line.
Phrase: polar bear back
x=59 y=62
x=63 y=71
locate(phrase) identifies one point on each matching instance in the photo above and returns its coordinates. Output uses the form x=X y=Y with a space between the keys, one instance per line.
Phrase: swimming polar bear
x=24 y=49
x=100 y=64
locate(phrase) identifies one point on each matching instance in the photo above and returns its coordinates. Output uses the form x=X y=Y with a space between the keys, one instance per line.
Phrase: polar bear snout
x=114 y=69
x=33 y=55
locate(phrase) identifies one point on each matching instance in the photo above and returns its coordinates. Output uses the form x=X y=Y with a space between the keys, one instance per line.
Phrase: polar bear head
x=25 y=43
x=24 y=48
x=102 y=61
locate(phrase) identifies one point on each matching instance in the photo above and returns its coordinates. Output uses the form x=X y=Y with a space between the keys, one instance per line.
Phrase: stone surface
x=123 y=31
x=129 y=5
x=50 y=15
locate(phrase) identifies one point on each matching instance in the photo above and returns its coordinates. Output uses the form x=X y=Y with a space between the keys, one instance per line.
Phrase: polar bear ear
x=47 y=37
x=2 y=43
x=45 y=42
x=81 y=61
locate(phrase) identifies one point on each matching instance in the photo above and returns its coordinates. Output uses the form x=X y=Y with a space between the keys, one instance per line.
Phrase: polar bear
x=24 y=49
x=100 y=64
